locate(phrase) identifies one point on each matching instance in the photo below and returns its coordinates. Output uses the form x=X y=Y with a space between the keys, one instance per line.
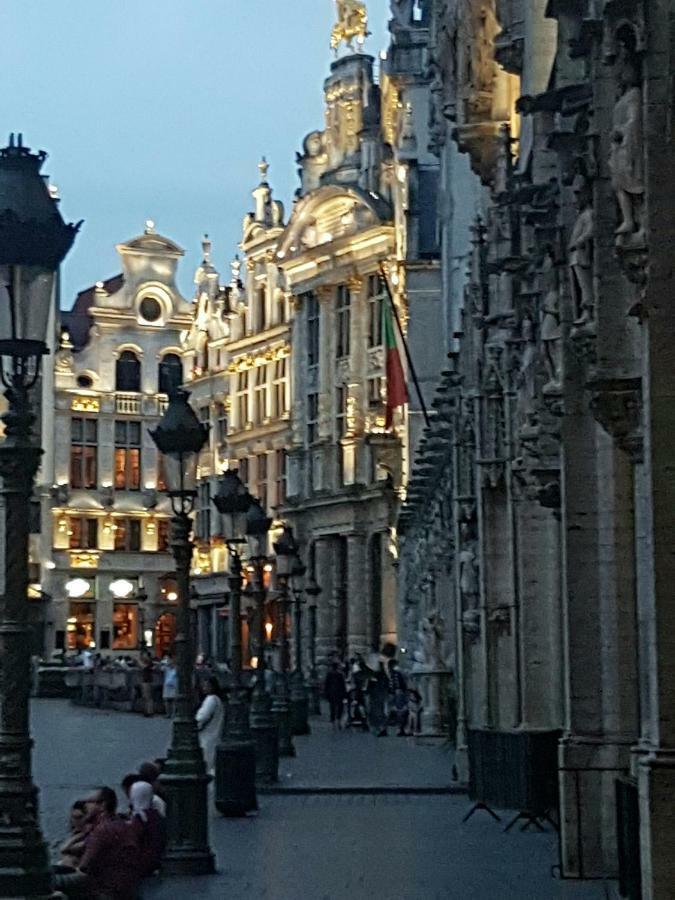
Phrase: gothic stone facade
x=539 y=514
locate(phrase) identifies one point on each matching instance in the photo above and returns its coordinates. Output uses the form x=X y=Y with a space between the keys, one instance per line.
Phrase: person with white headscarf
x=210 y=723
x=148 y=827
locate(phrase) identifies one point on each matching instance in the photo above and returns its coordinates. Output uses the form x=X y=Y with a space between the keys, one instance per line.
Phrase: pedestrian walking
x=169 y=688
x=378 y=691
x=210 y=722
x=335 y=690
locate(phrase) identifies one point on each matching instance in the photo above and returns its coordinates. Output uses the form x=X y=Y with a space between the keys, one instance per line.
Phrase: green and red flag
x=397 y=390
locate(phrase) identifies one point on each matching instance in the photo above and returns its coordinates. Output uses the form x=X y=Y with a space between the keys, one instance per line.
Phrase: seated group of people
x=107 y=853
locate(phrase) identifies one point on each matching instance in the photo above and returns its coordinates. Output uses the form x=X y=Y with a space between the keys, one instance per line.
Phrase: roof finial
x=206 y=248
x=150 y=227
x=263 y=168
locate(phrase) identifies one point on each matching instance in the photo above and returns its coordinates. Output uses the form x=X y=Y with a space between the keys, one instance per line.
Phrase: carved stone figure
x=581 y=254
x=431 y=635
x=468 y=577
x=402 y=13
x=352 y=23
x=551 y=336
x=625 y=155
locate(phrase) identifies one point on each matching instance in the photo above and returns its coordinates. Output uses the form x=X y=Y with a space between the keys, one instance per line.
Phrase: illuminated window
x=376 y=300
x=125 y=626
x=82 y=533
x=163 y=535
x=127 y=456
x=83 y=451
x=128 y=535
x=279 y=388
x=128 y=372
x=81 y=626
x=260 y=395
x=342 y=321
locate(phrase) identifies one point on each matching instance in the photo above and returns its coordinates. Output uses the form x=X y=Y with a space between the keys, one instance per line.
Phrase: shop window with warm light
x=81 y=626
x=128 y=534
x=163 y=535
x=83 y=452
x=82 y=533
x=125 y=626
x=127 y=456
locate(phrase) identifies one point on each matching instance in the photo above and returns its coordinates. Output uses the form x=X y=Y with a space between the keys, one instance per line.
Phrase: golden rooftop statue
x=352 y=23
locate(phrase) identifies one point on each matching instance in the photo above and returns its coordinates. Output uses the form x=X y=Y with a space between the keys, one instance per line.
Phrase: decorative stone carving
x=430 y=637
x=402 y=13
x=551 y=336
x=581 y=253
x=616 y=403
x=352 y=24
x=626 y=153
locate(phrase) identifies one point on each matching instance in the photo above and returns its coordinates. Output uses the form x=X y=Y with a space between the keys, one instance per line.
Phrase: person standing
x=169 y=687
x=210 y=722
x=147 y=673
x=335 y=690
x=378 y=690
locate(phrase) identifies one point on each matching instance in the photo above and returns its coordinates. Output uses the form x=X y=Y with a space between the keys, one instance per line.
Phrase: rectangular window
x=376 y=299
x=260 y=395
x=81 y=626
x=375 y=392
x=313 y=315
x=203 y=522
x=242 y=399
x=243 y=470
x=128 y=535
x=280 y=408
x=163 y=535
x=127 y=455
x=312 y=418
x=125 y=626
x=161 y=474
x=341 y=396
x=281 y=462
x=83 y=533
x=261 y=460
x=83 y=451
x=221 y=423
x=281 y=309
x=342 y=321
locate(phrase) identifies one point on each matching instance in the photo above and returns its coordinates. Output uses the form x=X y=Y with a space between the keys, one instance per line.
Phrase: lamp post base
x=315 y=697
x=282 y=711
x=187 y=849
x=266 y=737
x=24 y=864
x=235 y=793
x=299 y=705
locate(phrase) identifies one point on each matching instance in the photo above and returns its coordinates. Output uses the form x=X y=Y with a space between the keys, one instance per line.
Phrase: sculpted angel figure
x=352 y=23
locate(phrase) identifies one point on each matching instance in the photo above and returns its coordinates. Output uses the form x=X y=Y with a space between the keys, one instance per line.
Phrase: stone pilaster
x=325 y=615
x=357 y=586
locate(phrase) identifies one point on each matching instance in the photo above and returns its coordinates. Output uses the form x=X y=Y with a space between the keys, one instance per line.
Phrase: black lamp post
x=263 y=724
x=313 y=591
x=235 y=755
x=33 y=241
x=179 y=438
x=285 y=549
x=141 y=599
x=299 y=693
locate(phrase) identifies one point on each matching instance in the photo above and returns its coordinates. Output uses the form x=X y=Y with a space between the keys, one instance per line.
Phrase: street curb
x=451 y=789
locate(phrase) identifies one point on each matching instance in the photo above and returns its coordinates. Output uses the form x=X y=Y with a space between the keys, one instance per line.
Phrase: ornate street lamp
x=179 y=437
x=235 y=755
x=263 y=724
x=313 y=591
x=299 y=692
x=33 y=242
x=285 y=549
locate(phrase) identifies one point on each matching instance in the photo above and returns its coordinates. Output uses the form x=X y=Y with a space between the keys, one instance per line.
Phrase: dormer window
x=128 y=372
x=150 y=309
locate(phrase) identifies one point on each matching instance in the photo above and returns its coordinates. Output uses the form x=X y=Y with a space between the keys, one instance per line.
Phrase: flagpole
x=408 y=357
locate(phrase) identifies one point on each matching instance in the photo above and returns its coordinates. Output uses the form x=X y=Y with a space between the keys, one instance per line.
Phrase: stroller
x=356 y=709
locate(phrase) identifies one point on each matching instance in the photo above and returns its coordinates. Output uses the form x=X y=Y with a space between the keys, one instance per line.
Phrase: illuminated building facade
x=105 y=557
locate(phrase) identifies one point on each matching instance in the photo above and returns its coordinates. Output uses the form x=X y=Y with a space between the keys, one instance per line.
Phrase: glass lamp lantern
x=286 y=549
x=34 y=240
x=180 y=437
x=233 y=502
x=257 y=529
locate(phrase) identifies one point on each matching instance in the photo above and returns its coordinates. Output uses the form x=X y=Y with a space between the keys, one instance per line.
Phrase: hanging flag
x=397 y=391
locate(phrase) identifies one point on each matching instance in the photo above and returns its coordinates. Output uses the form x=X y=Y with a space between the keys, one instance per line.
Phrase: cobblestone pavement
x=314 y=847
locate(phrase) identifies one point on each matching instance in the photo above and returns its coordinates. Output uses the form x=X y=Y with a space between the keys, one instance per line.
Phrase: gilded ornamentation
x=352 y=24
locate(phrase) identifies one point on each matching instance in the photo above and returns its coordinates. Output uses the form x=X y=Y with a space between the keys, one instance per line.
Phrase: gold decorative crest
x=352 y=23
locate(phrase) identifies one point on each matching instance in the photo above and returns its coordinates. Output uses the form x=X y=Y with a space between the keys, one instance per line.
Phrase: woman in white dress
x=210 y=723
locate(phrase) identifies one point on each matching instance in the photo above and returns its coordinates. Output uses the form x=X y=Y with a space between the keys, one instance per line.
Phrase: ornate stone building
x=105 y=558
x=237 y=358
x=539 y=515
x=366 y=206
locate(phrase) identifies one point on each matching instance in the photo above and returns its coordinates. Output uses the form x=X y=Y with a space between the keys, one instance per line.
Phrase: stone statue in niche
x=468 y=576
x=625 y=155
x=551 y=336
x=430 y=636
x=581 y=250
x=402 y=13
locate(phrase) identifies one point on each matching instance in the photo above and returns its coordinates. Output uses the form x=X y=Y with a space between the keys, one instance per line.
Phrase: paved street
x=316 y=847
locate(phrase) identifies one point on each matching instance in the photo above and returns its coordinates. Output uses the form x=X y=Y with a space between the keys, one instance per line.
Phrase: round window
x=84 y=381
x=150 y=309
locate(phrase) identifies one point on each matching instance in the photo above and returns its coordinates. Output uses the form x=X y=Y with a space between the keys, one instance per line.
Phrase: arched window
x=170 y=374
x=128 y=372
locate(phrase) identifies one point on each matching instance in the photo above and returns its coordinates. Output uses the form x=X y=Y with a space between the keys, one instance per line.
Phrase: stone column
x=325 y=613
x=357 y=593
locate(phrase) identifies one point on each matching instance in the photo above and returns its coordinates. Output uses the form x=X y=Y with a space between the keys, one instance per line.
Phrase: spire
x=206 y=248
x=263 y=168
x=263 y=193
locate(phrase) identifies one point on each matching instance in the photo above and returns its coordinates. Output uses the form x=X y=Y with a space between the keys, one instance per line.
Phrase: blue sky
x=161 y=109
